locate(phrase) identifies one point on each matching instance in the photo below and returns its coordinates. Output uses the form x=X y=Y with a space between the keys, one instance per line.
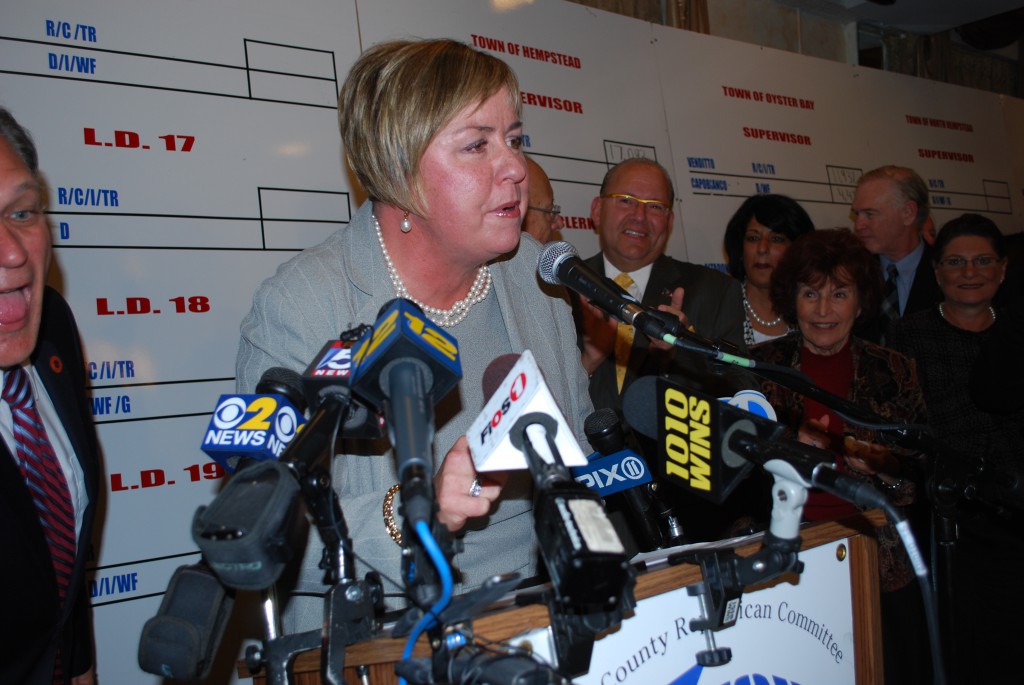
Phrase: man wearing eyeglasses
x=633 y=218
x=49 y=468
x=543 y=216
x=889 y=211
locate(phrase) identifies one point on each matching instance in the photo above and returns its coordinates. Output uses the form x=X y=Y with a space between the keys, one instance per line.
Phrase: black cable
x=799 y=382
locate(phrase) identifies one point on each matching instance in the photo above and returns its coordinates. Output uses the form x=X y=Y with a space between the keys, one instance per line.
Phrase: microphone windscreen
x=551 y=257
x=603 y=429
x=496 y=372
x=181 y=641
x=639 y=405
x=278 y=380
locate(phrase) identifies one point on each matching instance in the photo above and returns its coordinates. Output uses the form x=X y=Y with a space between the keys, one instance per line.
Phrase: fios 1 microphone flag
x=253 y=426
x=523 y=391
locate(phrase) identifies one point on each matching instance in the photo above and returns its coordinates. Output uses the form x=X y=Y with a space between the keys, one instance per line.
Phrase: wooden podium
x=853 y=542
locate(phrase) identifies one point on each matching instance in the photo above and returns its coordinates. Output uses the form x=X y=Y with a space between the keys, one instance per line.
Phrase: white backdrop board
x=191 y=147
x=746 y=120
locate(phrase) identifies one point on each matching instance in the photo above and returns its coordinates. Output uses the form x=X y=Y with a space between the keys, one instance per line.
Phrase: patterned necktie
x=43 y=476
x=891 y=301
x=623 y=334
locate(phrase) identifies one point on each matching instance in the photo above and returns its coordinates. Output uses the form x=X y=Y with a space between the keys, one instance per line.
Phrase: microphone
x=584 y=556
x=709 y=445
x=334 y=366
x=520 y=427
x=181 y=641
x=404 y=367
x=687 y=427
x=247 y=533
x=559 y=264
x=621 y=477
x=516 y=387
x=256 y=426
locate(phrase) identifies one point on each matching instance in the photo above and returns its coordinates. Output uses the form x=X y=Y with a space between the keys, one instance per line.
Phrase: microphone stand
x=958 y=479
x=351 y=607
x=726 y=574
x=454 y=659
x=601 y=582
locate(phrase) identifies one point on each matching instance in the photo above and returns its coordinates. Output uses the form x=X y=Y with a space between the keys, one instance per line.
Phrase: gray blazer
x=343 y=282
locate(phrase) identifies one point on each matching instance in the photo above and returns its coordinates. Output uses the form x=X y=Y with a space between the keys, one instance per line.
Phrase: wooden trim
x=381 y=653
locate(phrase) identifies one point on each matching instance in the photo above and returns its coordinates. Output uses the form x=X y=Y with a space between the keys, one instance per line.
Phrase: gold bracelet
x=389 y=514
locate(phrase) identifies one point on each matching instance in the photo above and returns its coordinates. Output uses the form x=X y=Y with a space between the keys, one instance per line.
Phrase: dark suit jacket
x=712 y=302
x=32 y=625
x=924 y=293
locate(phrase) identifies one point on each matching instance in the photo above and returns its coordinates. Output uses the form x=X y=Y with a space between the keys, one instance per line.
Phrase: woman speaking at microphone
x=432 y=131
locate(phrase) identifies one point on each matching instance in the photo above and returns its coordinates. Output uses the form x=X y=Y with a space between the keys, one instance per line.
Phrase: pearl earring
x=406 y=226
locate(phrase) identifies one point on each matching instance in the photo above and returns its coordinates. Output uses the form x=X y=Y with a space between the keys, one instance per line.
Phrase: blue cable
x=427 y=620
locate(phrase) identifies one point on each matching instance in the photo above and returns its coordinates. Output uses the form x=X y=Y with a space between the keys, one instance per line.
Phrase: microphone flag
x=255 y=426
x=523 y=391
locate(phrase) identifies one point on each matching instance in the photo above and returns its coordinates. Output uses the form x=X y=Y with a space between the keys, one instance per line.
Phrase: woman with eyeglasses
x=981 y=451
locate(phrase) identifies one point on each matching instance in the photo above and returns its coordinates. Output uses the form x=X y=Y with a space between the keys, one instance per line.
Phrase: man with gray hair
x=890 y=208
x=48 y=449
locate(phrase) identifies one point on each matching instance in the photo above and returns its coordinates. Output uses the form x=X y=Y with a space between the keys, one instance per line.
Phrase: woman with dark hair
x=945 y=341
x=757 y=236
x=825 y=282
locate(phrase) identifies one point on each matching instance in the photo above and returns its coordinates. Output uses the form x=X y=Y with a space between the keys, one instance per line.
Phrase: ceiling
x=914 y=16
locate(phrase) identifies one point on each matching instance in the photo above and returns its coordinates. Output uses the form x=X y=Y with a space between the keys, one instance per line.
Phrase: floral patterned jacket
x=884 y=382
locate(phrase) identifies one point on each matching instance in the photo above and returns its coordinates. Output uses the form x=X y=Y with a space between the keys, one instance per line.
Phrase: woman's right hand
x=598 y=336
x=814 y=432
x=453 y=488
x=869 y=457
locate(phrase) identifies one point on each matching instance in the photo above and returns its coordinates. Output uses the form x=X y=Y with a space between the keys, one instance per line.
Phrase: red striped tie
x=43 y=475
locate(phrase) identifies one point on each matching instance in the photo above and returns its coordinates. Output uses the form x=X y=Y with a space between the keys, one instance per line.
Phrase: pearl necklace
x=751 y=312
x=445 y=318
x=942 y=313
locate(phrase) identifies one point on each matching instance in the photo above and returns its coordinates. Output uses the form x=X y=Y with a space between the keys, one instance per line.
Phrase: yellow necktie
x=623 y=335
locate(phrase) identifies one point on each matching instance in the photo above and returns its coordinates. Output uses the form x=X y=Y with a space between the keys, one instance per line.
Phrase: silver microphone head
x=553 y=255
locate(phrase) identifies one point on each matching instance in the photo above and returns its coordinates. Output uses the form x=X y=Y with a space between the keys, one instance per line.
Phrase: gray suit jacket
x=343 y=282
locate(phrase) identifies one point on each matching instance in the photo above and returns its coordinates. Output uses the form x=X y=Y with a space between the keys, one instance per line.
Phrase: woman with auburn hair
x=822 y=286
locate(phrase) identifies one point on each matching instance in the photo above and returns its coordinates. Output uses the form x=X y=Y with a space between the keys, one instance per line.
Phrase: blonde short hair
x=397 y=97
